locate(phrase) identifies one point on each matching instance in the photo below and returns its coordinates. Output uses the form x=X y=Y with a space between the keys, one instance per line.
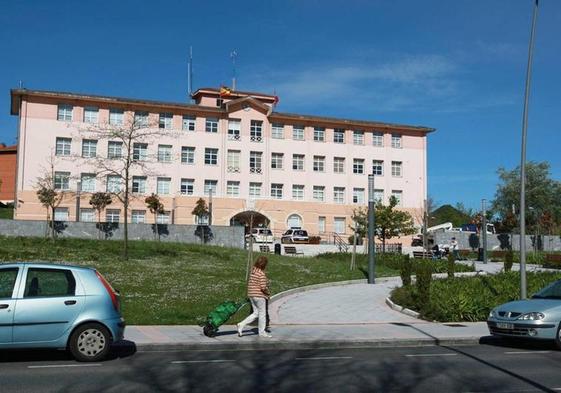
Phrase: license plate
x=504 y=325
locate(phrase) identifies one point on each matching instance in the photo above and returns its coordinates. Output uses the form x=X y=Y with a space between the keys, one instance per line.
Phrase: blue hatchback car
x=58 y=306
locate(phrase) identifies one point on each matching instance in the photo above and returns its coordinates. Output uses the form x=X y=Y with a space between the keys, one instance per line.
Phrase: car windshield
x=552 y=291
x=301 y=233
x=266 y=232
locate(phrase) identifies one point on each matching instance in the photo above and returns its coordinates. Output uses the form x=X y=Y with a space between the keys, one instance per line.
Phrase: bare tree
x=51 y=191
x=127 y=156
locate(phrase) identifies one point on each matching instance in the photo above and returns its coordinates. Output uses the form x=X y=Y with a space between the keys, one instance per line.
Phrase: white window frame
x=234 y=129
x=379 y=195
x=397 y=169
x=141 y=118
x=397 y=141
x=319 y=193
x=276 y=190
x=163 y=218
x=139 y=184
x=188 y=122
x=138 y=216
x=210 y=185
x=114 y=150
x=140 y=151
x=113 y=184
x=187 y=187
x=319 y=134
x=255 y=162
x=87 y=215
x=255 y=189
x=91 y=114
x=112 y=215
x=298 y=162
x=163 y=185
x=61 y=214
x=378 y=167
x=116 y=116
x=256 y=131
x=61 y=181
x=64 y=112
x=164 y=153
x=233 y=159
x=298 y=192
x=165 y=120
x=358 y=196
x=294 y=221
x=298 y=132
x=319 y=164
x=338 y=164
x=378 y=139
x=339 y=195
x=211 y=156
x=233 y=188
x=187 y=155
x=87 y=181
x=358 y=166
x=339 y=135
x=277 y=160
x=211 y=124
x=63 y=146
x=89 y=148
x=339 y=225
x=398 y=194
x=277 y=131
x=321 y=224
x=358 y=137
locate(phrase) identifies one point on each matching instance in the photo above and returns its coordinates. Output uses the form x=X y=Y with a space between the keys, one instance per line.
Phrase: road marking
x=201 y=361
x=326 y=358
x=525 y=352
x=66 y=365
x=419 y=355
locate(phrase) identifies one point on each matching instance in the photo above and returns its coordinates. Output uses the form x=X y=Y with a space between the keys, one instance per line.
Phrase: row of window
x=139 y=217
x=165 y=155
x=165 y=121
x=114 y=184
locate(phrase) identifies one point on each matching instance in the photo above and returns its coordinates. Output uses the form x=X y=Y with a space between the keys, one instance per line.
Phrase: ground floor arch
x=250 y=219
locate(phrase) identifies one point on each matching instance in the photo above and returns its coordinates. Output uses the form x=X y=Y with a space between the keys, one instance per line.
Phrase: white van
x=261 y=235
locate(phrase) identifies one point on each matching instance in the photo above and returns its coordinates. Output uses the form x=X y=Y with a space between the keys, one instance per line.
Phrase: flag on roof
x=225 y=91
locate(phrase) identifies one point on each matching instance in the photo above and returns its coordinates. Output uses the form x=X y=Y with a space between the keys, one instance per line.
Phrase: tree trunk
x=52 y=223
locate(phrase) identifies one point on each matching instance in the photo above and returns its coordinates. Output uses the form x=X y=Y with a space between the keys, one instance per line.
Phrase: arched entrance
x=250 y=218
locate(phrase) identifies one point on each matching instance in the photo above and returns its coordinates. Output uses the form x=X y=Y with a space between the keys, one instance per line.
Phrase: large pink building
x=277 y=169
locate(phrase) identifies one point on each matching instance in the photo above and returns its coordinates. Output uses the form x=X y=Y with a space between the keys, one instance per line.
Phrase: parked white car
x=295 y=235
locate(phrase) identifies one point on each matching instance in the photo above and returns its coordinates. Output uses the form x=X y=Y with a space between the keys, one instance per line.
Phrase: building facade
x=7 y=173
x=262 y=167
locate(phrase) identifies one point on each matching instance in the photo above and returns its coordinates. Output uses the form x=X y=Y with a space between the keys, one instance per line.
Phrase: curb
x=307 y=344
x=403 y=310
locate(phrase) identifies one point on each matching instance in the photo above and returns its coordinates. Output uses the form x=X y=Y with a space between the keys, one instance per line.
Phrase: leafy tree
x=201 y=210
x=48 y=194
x=448 y=213
x=156 y=207
x=388 y=222
x=543 y=195
x=99 y=201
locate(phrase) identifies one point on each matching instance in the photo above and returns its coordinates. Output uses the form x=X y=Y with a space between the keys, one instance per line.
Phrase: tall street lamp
x=523 y=158
x=371 y=243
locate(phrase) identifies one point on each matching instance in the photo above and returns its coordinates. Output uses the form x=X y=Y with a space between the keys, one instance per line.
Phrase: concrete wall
x=500 y=241
x=226 y=236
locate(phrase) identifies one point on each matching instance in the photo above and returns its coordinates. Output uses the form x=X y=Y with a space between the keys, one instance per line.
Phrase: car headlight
x=532 y=316
x=492 y=314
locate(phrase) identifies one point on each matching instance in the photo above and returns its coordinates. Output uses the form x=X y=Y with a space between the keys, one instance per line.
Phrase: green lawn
x=175 y=283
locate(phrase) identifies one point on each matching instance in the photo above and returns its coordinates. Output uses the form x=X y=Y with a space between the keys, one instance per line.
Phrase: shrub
x=424 y=271
x=451 y=265
x=509 y=260
x=358 y=240
x=314 y=240
x=405 y=270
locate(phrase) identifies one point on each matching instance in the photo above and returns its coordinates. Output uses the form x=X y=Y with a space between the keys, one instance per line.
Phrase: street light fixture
x=371 y=243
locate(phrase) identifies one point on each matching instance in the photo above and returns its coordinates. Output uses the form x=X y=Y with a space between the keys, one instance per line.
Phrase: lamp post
x=78 y=192
x=523 y=158
x=371 y=243
x=484 y=228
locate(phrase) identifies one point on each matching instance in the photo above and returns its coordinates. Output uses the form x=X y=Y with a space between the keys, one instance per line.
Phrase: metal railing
x=341 y=244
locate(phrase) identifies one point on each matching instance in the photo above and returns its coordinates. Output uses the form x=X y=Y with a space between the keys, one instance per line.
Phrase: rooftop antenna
x=190 y=74
x=233 y=56
x=20 y=84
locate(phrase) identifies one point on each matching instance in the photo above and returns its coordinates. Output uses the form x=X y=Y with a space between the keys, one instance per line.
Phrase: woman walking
x=258 y=293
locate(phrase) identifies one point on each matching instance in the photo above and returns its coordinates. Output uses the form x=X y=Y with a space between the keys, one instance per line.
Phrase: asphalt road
x=492 y=367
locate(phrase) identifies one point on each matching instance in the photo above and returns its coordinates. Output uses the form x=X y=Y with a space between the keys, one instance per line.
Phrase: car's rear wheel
x=558 y=337
x=90 y=343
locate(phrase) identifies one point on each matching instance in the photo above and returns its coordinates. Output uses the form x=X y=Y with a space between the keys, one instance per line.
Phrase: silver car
x=536 y=318
x=57 y=306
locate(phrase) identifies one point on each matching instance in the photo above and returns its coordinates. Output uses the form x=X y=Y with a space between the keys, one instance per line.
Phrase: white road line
x=326 y=358
x=525 y=352
x=201 y=361
x=419 y=355
x=66 y=365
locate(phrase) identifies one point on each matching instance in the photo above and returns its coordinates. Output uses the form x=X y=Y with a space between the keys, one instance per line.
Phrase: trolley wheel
x=209 y=331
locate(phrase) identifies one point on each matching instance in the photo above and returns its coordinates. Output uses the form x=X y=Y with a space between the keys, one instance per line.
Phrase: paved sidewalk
x=353 y=314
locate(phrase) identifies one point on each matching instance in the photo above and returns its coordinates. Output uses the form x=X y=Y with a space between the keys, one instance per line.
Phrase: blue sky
x=458 y=66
